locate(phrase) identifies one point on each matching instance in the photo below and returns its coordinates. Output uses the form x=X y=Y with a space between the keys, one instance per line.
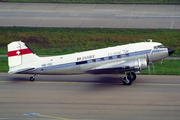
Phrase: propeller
x=149 y=64
x=161 y=62
x=149 y=67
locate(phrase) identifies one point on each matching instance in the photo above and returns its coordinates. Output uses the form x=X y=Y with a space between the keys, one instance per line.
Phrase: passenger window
x=102 y=59
x=110 y=58
x=118 y=56
x=127 y=55
x=94 y=60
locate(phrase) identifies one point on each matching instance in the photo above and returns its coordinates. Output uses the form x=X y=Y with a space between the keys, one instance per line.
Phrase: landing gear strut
x=130 y=77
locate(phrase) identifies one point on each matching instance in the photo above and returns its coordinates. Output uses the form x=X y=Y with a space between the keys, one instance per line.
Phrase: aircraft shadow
x=105 y=83
x=92 y=82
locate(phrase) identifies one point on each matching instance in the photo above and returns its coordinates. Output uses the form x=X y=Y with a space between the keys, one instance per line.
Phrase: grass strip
x=99 y=1
x=55 y=41
x=4 y=64
x=169 y=67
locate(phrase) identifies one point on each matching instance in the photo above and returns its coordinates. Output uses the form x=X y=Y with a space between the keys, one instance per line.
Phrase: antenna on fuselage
x=149 y=40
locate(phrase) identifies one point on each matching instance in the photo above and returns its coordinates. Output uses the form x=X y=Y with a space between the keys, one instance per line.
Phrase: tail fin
x=20 y=56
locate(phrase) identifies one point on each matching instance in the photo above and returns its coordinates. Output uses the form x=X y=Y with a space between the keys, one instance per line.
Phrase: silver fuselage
x=131 y=57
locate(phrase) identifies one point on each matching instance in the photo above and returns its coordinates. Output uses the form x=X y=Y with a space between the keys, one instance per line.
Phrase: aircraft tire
x=32 y=79
x=133 y=75
x=127 y=80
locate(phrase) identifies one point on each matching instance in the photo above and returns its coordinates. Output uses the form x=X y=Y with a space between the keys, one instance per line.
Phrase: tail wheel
x=32 y=78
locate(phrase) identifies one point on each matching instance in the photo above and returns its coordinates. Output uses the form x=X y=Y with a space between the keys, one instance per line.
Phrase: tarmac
x=89 y=97
x=90 y=15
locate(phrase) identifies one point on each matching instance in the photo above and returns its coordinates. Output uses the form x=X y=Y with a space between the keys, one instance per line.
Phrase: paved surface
x=101 y=97
x=90 y=15
x=85 y=97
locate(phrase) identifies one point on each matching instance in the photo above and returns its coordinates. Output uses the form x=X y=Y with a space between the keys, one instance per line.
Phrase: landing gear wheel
x=32 y=78
x=127 y=80
x=133 y=75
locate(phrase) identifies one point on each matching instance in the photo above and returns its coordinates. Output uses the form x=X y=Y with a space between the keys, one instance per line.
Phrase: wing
x=120 y=66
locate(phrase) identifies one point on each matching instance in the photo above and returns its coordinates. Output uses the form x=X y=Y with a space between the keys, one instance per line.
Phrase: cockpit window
x=155 y=47
x=159 y=46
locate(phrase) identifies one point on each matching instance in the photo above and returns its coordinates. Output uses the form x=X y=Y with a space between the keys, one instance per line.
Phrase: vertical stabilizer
x=14 y=54
x=20 y=56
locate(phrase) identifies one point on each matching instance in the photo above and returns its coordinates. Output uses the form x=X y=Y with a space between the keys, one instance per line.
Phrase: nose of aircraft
x=170 y=51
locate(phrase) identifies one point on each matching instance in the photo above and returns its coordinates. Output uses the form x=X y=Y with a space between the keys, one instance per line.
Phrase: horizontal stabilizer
x=20 y=70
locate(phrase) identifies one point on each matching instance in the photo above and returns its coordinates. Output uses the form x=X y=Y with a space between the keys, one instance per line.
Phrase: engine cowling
x=143 y=64
x=137 y=64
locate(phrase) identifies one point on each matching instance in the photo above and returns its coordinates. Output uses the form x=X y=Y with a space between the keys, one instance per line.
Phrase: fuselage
x=78 y=63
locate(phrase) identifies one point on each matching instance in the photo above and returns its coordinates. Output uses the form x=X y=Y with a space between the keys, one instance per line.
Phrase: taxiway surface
x=90 y=15
x=87 y=97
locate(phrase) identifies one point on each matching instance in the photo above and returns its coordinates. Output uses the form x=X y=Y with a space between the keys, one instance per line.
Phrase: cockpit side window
x=160 y=46
x=157 y=47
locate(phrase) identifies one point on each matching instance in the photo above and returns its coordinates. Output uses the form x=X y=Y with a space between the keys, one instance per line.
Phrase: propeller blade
x=153 y=68
x=149 y=69
x=147 y=59
x=161 y=62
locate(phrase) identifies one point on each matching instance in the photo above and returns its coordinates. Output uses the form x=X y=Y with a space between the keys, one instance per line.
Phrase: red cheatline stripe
x=19 y=52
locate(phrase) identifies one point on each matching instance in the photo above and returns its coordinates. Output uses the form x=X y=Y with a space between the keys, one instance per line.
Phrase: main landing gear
x=130 y=77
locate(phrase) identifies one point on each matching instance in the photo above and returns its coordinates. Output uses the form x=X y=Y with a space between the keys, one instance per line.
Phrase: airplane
x=129 y=59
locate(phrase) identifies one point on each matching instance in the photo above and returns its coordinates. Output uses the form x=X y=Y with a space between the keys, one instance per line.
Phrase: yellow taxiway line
x=60 y=118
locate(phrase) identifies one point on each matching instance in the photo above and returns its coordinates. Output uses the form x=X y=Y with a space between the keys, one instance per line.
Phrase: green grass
x=169 y=67
x=4 y=64
x=55 y=41
x=100 y=1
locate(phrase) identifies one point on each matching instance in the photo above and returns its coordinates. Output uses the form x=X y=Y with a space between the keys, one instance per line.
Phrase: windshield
x=159 y=46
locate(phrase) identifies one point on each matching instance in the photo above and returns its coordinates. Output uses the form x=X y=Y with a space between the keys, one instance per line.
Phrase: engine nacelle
x=136 y=65
x=142 y=64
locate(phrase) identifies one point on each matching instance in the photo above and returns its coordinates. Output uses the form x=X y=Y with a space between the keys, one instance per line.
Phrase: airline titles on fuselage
x=85 y=57
x=114 y=53
x=93 y=56
x=118 y=53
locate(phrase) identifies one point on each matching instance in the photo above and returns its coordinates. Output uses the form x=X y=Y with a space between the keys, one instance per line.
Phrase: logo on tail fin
x=19 y=52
